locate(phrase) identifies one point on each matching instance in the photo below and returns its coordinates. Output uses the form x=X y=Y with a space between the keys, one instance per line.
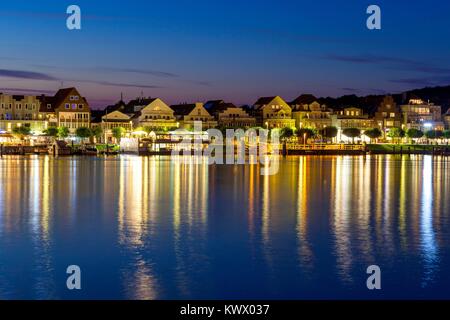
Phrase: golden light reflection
x=304 y=250
x=362 y=209
x=190 y=214
x=134 y=225
x=427 y=239
x=251 y=200
x=341 y=217
x=402 y=204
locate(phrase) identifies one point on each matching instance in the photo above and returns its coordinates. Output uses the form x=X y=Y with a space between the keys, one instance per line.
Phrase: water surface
x=148 y=228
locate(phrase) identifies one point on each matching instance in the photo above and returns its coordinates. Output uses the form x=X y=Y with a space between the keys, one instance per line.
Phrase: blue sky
x=235 y=50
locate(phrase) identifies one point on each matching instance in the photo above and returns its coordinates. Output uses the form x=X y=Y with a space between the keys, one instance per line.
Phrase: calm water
x=147 y=228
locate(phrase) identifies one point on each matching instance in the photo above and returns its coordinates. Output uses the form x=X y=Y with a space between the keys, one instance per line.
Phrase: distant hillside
x=437 y=95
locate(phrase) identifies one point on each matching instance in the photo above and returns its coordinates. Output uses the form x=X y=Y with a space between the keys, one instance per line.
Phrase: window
x=392 y=115
x=80 y=106
x=49 y=106
x=74 y=106
x=67 y=106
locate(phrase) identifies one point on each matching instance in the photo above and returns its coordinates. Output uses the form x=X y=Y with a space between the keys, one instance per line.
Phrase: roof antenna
x=121 y=96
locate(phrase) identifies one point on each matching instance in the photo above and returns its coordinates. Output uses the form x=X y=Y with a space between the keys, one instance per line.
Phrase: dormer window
x=67 y=106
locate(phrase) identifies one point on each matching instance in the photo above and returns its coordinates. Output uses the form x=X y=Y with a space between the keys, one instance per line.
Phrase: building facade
x=351 y=117
x=273 y=112
x=308 y=112
x=156 y=115
x=187 y=114
x=447 y=119
x=422 y=115
x=228 y=115
x=67 y=108
x=20 y=110
x=388 y=115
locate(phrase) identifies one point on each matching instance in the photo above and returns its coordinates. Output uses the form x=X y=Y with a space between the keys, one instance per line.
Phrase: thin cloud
x=423 y=81
x=28 y=90
x=364 y=90
x=351 y=89
x=156 y=73
x=390 y=63
x=20 y=74
x=115 y=84
x=128 y=85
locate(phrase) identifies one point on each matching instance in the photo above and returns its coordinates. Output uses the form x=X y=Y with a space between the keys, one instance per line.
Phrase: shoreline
x=289 y=154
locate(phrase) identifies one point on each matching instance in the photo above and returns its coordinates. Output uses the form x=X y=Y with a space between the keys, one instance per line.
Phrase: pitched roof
x=61 y=94
x=183 y=109
x=119 y=105
x=211 y=103
x=220 y=107
x=263 y=101
x=304 y=99
x=46 y=102
x=49 y=103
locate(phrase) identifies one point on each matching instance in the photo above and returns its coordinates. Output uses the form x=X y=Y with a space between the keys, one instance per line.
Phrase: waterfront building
x=156 y=115
x=46 y=110
x=308 y=112
x=138 y=104
x=67 y=108
x=422 y=115
x=388 y=115
x=352 y=117
x=109 y=121
x=273 y=112
x=447 y=119
x=228 y=115
x=20 y=110
x=186 y=114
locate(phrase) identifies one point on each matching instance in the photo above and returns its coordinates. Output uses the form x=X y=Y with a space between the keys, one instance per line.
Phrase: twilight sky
x=235 y=50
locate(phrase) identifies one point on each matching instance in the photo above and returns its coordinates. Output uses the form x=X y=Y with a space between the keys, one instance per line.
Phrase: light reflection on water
x=146 y=228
